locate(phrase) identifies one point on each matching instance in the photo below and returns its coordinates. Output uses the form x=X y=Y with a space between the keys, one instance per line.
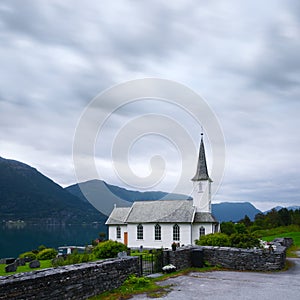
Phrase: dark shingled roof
x=201 y=172
x=204 y=217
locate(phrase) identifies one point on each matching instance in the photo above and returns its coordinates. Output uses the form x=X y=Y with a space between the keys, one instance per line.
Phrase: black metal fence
x=151 y=262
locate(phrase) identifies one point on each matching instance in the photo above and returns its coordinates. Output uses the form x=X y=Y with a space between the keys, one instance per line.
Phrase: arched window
x=157 y=232
x=118 y=232
x=176 y=233
x=140 y=232
x=201 y=231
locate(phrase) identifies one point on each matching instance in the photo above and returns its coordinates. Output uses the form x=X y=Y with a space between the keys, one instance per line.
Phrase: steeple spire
x=201 y=172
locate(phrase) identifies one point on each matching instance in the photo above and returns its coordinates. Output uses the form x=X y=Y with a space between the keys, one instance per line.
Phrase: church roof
x=118 y=216
x=204 y=217
x=201 y=172
x=160 y=211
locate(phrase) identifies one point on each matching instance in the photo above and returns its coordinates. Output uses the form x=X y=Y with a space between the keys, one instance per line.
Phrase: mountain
x=227 y=211
x=103 y=196
x=26 y=194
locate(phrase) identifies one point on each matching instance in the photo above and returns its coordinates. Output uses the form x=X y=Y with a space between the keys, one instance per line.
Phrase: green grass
x=44 y=264
x=291 y=252
x=277 y=231
x=294 y=235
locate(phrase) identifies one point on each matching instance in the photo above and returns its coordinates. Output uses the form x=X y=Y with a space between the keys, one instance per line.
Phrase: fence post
x=141 y=264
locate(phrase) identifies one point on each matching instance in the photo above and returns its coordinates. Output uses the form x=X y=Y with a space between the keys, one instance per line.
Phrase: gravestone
x=20 y=261
x=122 y=254
x=11 y=268
x=34 y=264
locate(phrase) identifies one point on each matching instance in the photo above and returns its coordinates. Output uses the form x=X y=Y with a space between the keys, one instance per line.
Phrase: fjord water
x=19 y=238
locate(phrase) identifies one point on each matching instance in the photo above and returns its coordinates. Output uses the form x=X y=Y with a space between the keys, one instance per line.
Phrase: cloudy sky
x=242 y=57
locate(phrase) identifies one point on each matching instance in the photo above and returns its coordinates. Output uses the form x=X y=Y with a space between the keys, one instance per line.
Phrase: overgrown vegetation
x=237 y=240
x=46 y=254
x=108 y=249
x=71 y=259
x=29 y=254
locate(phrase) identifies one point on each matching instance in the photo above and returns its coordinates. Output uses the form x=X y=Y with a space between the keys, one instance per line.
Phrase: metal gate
x=151 y=262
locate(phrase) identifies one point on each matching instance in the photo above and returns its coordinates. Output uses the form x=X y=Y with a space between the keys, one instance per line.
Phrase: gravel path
x=223 y=285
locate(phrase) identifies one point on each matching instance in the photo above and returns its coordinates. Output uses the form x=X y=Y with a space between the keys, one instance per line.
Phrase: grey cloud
x=56 y=56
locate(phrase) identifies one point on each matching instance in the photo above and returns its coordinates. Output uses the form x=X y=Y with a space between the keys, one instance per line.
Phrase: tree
x=240 y=228
x=246 y=221
x=228 y=228
x=285 y=216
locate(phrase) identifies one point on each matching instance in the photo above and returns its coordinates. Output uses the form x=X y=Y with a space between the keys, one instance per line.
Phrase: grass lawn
x=294 y=235
x=291 y=252
x=44 y=264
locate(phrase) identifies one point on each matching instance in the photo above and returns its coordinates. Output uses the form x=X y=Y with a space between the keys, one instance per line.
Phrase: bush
x=214 y=239
x=47 y=253
x=108 y=249
x=228 y=228
x=138 y=281
x=240 y=240
x=29 y=254
x=72 y=259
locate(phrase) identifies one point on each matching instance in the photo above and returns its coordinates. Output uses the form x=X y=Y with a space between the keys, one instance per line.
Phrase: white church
x=157 y=224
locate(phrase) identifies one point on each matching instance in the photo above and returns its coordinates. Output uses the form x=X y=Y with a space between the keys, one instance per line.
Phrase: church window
x=157 y=232
x=118 y=232
x=201 y=231
x=140 y=232
x=176 y=233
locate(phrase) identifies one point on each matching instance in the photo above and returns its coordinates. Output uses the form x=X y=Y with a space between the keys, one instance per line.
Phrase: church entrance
x=126 y=238
x=151 y=261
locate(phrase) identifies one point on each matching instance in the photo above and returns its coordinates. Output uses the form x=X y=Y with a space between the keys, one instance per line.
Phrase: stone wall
x=181 y=258
x=69 y=282
x=230 y=258
x=243 y=259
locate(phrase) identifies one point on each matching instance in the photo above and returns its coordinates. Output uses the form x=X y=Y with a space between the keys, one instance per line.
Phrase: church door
x=126 y=238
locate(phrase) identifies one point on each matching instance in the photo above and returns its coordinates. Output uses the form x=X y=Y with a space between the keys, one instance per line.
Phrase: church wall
x=196 y=230
x=166 y=236
x=112 y=233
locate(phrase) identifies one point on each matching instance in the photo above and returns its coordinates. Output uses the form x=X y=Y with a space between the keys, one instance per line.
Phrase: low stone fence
x=69 y=282
x=243 y=259
x=230 y=258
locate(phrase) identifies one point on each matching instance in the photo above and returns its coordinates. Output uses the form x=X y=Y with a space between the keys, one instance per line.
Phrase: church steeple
x=201 y=172
x=202 y=183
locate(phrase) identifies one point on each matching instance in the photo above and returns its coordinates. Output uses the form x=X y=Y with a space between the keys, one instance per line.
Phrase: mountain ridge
x=28 y=195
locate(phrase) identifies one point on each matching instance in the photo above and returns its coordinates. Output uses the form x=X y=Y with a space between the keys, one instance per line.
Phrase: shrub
x=41 y=247
x=29 y=254
x=109 y=249
x=214 y=239
x=47 y=253
x=138 y=281
x=243 y=240
x=228 y=228
x=72 y=259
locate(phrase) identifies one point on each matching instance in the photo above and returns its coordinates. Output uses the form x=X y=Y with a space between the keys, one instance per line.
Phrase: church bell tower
x=202 y=183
